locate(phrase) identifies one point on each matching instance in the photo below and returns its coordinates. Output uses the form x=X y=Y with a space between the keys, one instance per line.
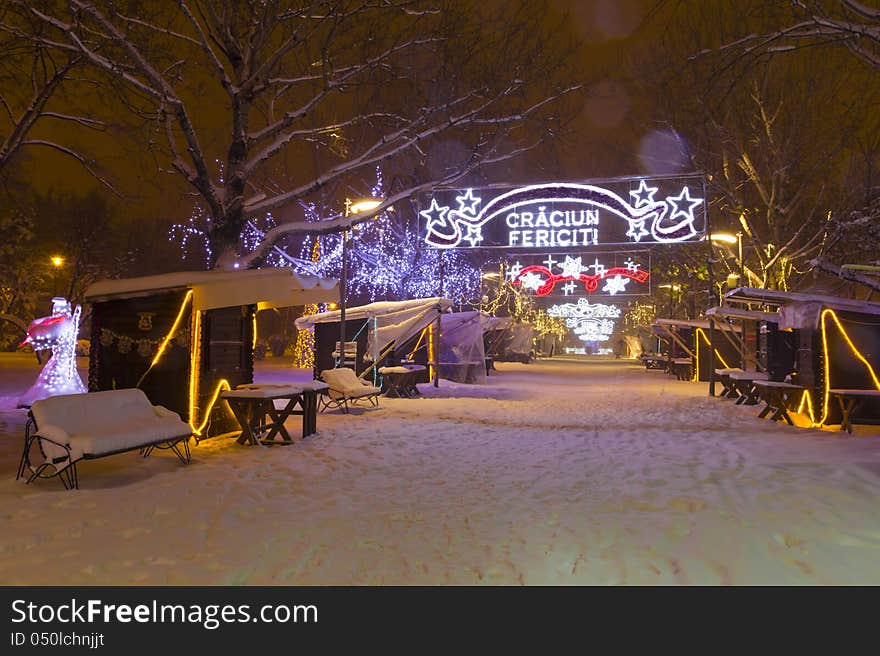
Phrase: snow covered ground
x=564 y=471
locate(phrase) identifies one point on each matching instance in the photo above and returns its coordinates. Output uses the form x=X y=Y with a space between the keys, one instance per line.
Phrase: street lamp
x=727 y=238
x=672 y=287
x=57 y=263
x=351 y=207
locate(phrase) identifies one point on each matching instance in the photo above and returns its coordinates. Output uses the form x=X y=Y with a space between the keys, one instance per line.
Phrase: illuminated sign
x=590 y=322
x=619 y=273
x=565 y=215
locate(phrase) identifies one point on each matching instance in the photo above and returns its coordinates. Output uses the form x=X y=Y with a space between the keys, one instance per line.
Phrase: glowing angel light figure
x=57 y=332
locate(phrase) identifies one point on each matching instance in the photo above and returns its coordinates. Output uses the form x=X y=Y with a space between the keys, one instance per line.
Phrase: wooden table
x=778 y=398
x=743 y=383
x=400 y=382
x=681 y=368
x=849 y=400
x=655 y=362
x=261 y=422
x=728 y=391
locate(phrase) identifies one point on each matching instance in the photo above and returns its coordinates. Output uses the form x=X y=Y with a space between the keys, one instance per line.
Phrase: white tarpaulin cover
x=462 y=357
x=391 y=321
x=276 y=286
x=522 y=335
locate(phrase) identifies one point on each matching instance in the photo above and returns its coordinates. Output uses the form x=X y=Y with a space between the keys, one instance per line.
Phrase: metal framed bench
x=73 y=427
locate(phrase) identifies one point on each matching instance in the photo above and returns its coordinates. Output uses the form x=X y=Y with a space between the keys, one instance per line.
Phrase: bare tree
x=32 y=77
x=242 y=95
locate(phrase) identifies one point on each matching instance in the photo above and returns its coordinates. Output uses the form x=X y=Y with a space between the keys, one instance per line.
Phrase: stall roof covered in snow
x=688 y=323
x=273 y=287
x=800 y=309
x=371 y=310
x=739 y=313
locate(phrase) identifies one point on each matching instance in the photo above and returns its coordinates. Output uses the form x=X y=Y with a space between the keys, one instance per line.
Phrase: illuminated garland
x=701 y=333
x=542 y=280
x=143 y=346
x=590 y=322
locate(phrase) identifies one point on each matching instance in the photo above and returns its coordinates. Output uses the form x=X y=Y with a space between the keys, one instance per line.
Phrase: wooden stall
x=184 y=337
x=837 y=348
x=689 y=340
x=386 y=333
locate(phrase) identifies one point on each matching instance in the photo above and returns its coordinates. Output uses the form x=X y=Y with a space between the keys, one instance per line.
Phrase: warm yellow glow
x=430 y=351
x=806 y=400
x=825 y=313
x=173 y=330
x=168 y=337
x=365 y=205
x=419 y=342
x=702 y=334
x=254 y=340
x=332 y=306
x=724 y=237
x=673 y=287
x=57 y=261
x=194 y=381
x=489 y=276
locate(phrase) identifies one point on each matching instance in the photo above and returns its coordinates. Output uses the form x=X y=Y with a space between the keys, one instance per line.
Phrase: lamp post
x=730 y=239
x=351 y=207
x=57 y=263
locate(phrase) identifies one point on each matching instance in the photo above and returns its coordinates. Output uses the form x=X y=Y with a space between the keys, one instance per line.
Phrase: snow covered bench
x=74 y=427
x=344 y=386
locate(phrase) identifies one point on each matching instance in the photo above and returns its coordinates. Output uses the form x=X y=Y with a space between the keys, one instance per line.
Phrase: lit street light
x=727 y=238
x=57 y=263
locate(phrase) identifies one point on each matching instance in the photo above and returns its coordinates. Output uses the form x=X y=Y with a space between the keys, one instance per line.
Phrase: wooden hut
x=837 y=346
x=184 y=337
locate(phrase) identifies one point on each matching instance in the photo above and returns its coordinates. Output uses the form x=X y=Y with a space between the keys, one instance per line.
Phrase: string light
x=701 y=333
x=827 y=363
x=171 y=333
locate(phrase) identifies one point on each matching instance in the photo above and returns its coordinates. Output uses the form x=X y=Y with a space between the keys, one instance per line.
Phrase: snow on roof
x=689 y=323
x=377 y=309
x=739 y=313
x=800 y=309
x=275 y=286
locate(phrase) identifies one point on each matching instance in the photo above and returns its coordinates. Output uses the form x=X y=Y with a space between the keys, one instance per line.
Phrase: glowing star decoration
x=57 y=332
x=683 y=205
x=615 y=285
x=531 y=281
x=514 y=270
x=597 y=267
x=568 y=288
x=630 y=265
x=644 y=195
x=473 y=235
x=550 y=262
x=439 y=222
x=637 y=230
x=468 y=203
x=572 y=267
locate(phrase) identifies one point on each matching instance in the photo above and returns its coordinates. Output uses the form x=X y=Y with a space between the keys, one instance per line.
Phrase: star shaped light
x=568 y=288
x=550 y=262
x=531 y=281
x=513 y=270
x=615 y=284
x=598 y=269
x=630 y=265
x=644 y=195
x=429 y=214
x=474 y=236
x=572 y=267
x=468 y=203
x=683 y=205
x=636 y=229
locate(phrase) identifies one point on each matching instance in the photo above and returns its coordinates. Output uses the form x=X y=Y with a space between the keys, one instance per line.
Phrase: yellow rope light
x=254 y=341
x=806 y=400
x=701 y=333
x=161 y=350
x=430 y=351
x=827 y=383
x=194 y=379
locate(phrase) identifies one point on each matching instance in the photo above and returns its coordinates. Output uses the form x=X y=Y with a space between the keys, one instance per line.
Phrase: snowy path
x=557 y=472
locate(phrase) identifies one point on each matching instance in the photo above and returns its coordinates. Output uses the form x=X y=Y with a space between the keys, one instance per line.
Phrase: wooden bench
x=850 y=400
x=743 y=384
x=254 y=407
x=74 y=427
x=681 y=368
x=778 y=398
x=728 y=391
x=658 y=362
